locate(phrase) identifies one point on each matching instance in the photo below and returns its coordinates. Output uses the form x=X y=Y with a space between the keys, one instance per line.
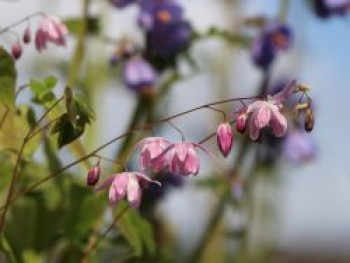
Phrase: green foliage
x=71 y=125
x=137 y=231
x=8 y=75
x=43 y=89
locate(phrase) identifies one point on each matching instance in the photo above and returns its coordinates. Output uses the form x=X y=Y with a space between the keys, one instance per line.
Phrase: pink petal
x=284 y=94
x=254 y=130
x=142 y=177
x=263 y=116
x=118 y=188
x=181 y=150
x=278 y=123
x=191 y=165
x=104 y=184
x=134 y=191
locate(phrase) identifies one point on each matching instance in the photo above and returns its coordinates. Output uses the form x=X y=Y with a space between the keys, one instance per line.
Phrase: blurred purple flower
x=167 y=40
x=159 y=12
x=299 y=147
x=326 y=8
x=122 y=3
x=275 y=37
x=139 y=74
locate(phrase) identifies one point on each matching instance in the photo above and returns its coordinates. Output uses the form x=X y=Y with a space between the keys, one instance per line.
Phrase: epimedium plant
x=70 y=212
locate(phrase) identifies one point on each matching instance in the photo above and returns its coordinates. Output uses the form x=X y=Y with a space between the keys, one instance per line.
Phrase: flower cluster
x=159 y=155
x=50 y=30
x=275 y=37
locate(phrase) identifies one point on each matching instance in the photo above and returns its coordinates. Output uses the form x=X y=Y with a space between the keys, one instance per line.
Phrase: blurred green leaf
x=137 y=231
x=43 y=89
x=7 y=250
x=50 y=81
x=74 y=25
x=8 y=75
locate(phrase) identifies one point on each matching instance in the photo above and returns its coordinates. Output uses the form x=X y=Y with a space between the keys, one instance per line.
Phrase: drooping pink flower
x=224 y=138
x=151 y=151
x=129 y=184
x=93 y=175
x=51 y=29
x=266 y=113
x=183 y=159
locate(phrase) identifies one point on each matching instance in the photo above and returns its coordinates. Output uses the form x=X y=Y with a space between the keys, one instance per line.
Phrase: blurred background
x=297 y=211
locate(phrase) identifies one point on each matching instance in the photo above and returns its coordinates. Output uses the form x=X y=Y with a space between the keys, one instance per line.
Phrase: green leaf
x=137 y=231
x=43 y=89
x=8 y=75
x=50 y=81
x=7 y=250
x=67 y=133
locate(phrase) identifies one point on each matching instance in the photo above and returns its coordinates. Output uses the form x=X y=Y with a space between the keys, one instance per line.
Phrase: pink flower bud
x=224 y=138
x=16 y=50
x=27 y=35
x=241 y=122
x=94 y=174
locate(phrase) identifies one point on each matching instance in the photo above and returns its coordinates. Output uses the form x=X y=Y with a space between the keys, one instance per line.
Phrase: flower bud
x=94 y=174
x=27 y=35
x=16 y=50
x=224 y=138
x=241 y=122
x=309 y=120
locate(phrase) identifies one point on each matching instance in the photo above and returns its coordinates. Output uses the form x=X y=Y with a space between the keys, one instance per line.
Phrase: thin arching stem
x=110 y=142
x=183 y=138
x=9 y=27
x=93 y=244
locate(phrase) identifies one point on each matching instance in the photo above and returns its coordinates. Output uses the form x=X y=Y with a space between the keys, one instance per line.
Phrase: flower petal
x=134 y=191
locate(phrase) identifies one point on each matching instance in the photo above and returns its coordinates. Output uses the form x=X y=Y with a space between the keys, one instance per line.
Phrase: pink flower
x=51 y=29
x=151 y=149
x=128 y=184
x=183 y=159
x=224 y=138
x=263 y=114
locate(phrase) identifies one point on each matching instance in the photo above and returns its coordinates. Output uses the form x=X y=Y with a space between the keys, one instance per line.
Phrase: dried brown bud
x=309 y=120
x=27 y=35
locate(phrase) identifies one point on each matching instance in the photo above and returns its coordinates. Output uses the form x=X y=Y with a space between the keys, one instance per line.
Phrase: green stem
x=79 y=53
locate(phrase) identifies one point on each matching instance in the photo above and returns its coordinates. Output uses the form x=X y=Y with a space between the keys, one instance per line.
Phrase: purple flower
x=159 y=12
x=165 y=41
x=139 y=74
x=275 y=37
x=128 y=184
x=327 y=8
x=298 y=146
x=122 y=3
